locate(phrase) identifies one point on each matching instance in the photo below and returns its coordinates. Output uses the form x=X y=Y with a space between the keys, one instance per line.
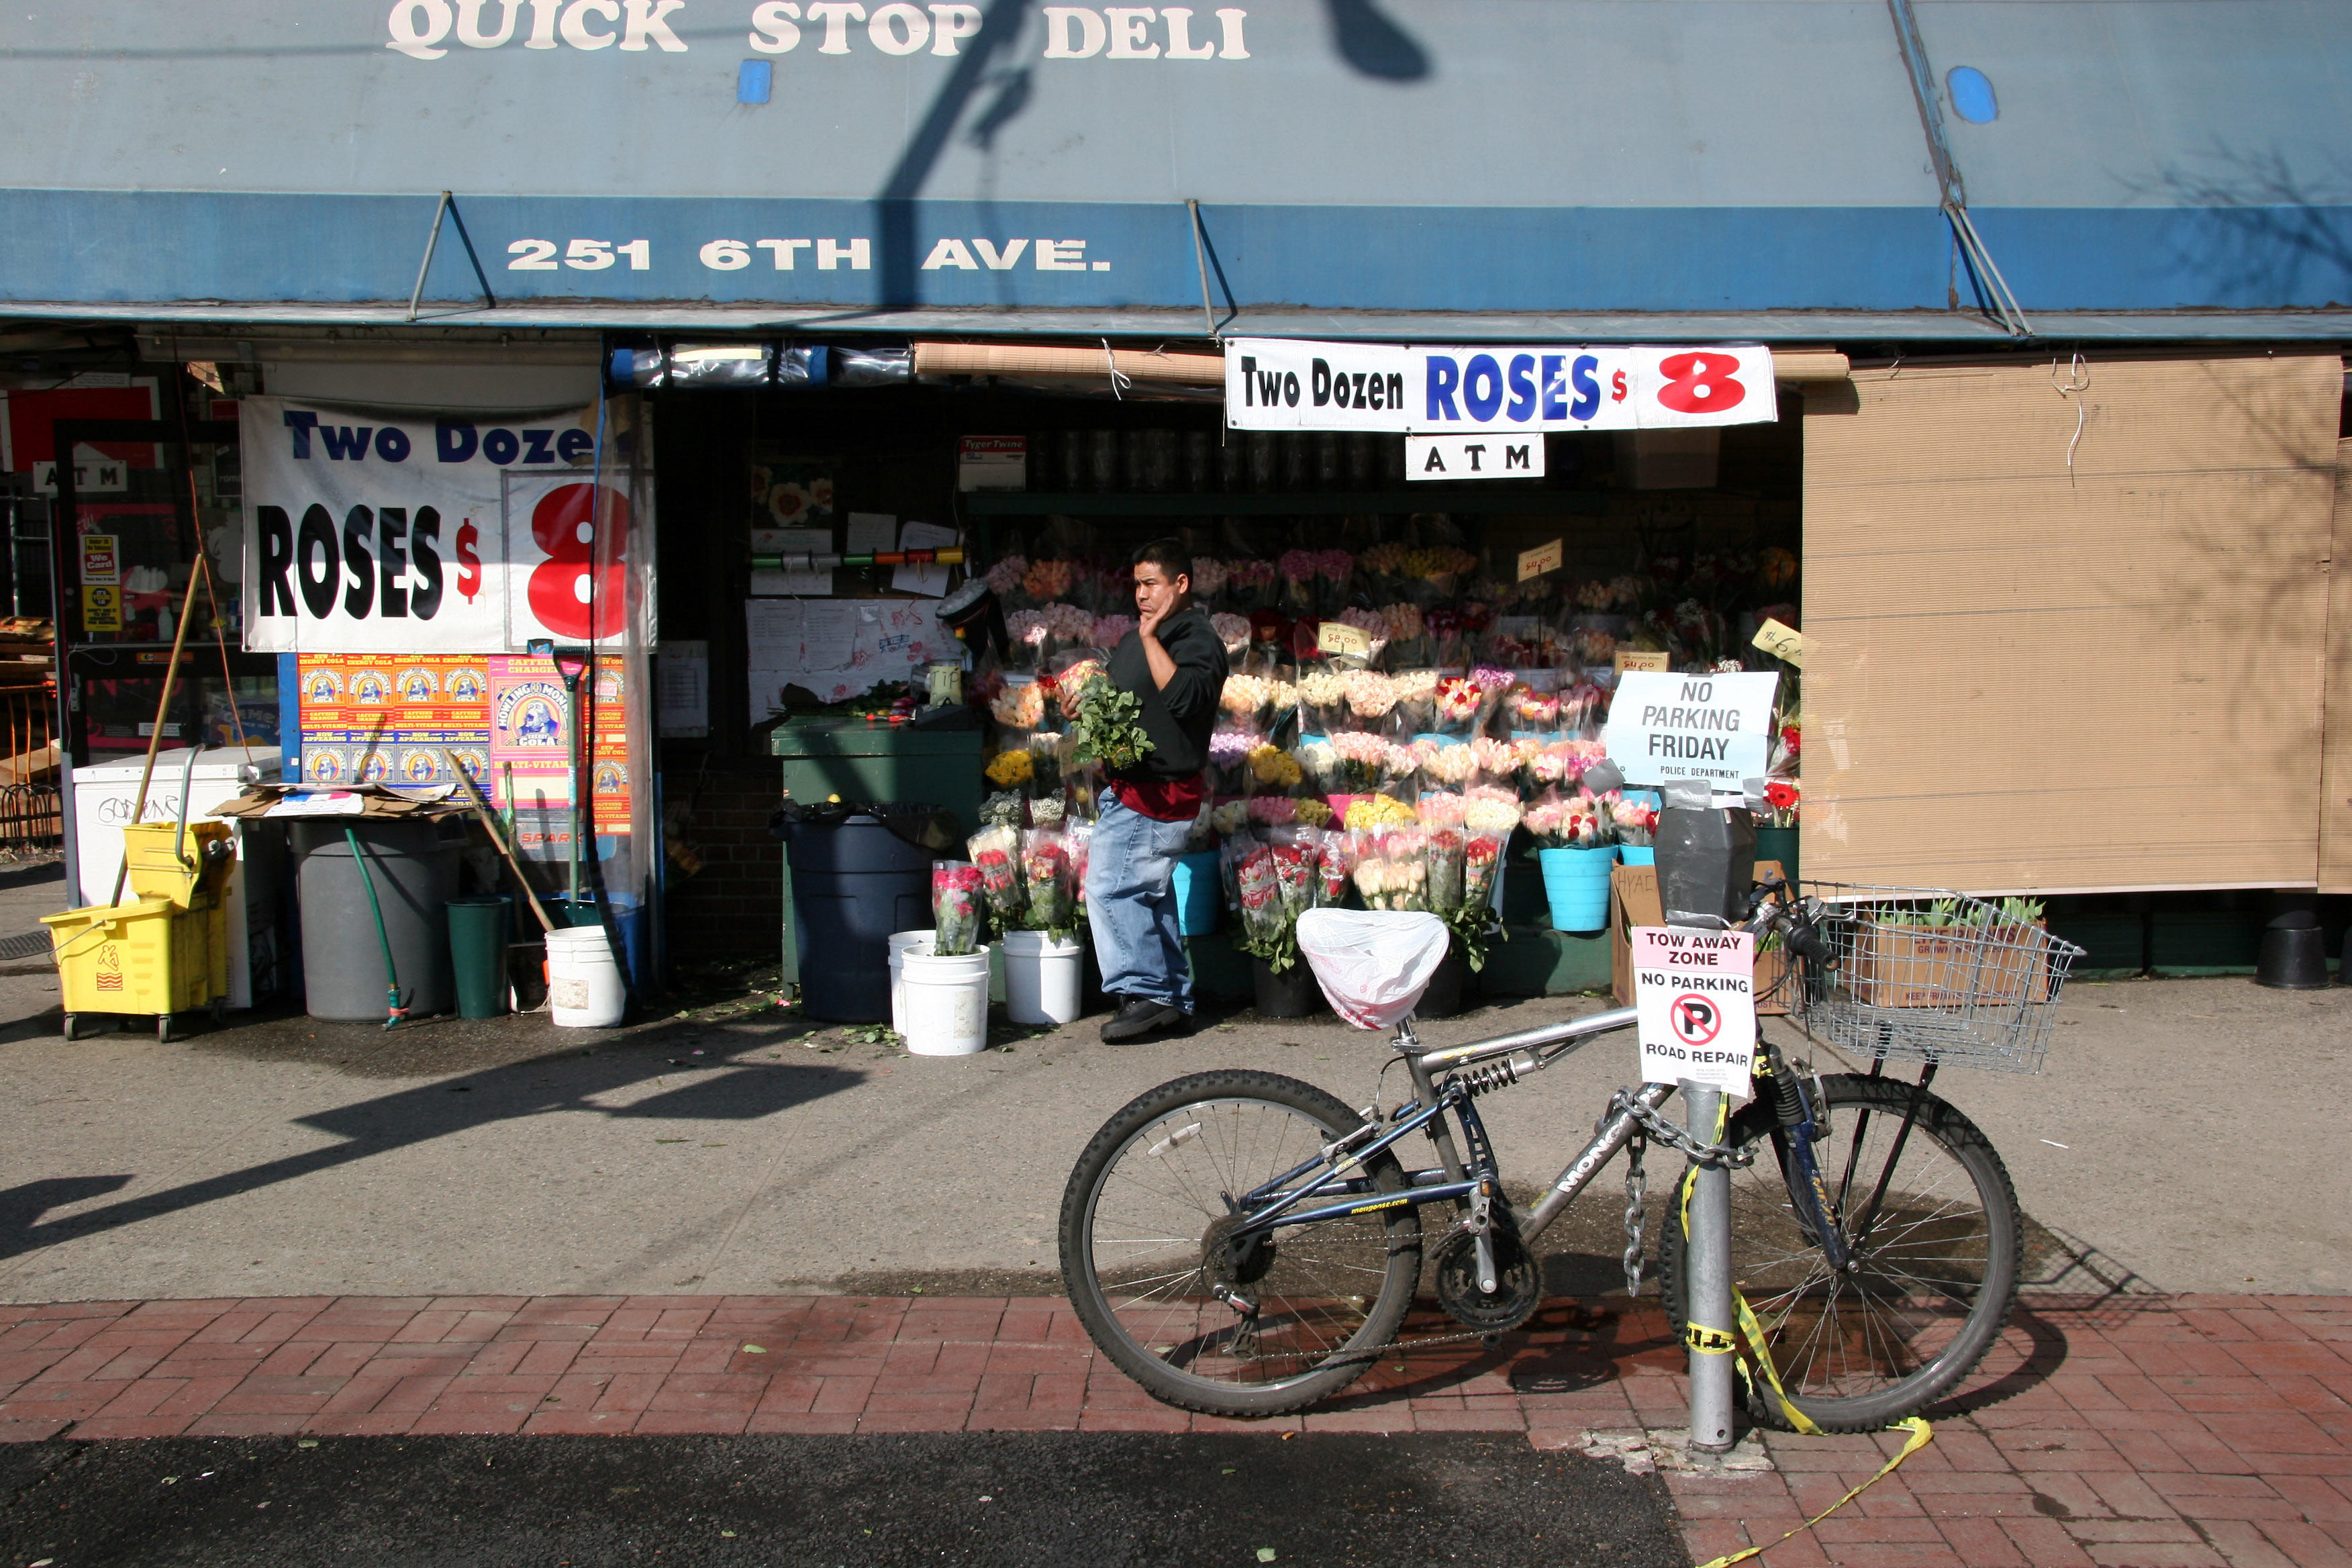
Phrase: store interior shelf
x=1300 y=503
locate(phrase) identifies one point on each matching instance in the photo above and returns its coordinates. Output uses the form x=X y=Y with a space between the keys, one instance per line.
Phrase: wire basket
x=1925 y=974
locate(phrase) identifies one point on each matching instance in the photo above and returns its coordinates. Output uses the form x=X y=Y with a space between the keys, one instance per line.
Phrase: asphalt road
x=1021 y=1500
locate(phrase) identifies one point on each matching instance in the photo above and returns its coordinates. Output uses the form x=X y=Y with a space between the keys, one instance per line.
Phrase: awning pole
x=431 y=241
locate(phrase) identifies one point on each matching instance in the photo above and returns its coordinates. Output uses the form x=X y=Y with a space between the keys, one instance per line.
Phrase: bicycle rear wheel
x=1930 y=1281
x=1143 y=1229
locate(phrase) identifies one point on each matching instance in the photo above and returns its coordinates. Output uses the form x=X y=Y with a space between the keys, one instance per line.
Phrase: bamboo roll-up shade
x=2021 y=678
x=1062 y=360
x=2336 y=742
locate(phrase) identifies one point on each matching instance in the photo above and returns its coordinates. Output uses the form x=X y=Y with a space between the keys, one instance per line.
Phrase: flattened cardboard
x=2336 y=741
x=2013 y=666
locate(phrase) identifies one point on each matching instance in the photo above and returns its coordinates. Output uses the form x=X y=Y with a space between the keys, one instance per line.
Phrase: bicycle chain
x=1635 y=1191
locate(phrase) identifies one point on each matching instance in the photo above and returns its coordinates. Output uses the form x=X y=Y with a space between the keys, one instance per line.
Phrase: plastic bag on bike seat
x=1374 y=964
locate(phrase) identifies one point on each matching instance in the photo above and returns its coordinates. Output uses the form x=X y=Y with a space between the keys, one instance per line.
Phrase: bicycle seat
x=1372 y=965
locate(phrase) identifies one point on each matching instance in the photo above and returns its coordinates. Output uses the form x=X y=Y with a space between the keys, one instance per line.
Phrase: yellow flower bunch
x=1378 y=811
x=1010 y=768
x=1270 y=764
x=1313 y=812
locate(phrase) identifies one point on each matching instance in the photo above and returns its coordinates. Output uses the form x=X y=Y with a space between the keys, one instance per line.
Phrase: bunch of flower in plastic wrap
x=1078 y=839
x=1045 y=873
x=996 y=855
x=1318 y=764
x=1005 y=579
x=1371 y=697
x=1567 y=822
x=1045 y=756
x=1047 y=811
x=1272 y=768
x=1019 y=705
x=1481 y=862
x=1635 y=818
x=1582 y=707
x=1229 y=753
x=1249 y=585
x=1310 y=812
x=1382 y=570
x=1111 y=630
x=1298 y=569
x=1451 y=764
x=1498 y=761
x=1491 y=809
x=1594 y=646
x=1208 y=580
x=1047 y=580
x=1374 y=626
x=1416 y=699
x=1232 y=630
x=1011 y=768
x=1360 y=761
x=1322 y=699
x=1230 y=819
x=1335 y=866
x=1333 y=571
x=1068 y=626
x=1273 y=810
x=1459 y=706
x=1003 y=809
x=1245 y=703
x=1372 y=811
x=1529 y=712
x=1441 y=848
x=1025 y=632
x=955 y=908
x=1408 y=632
x=1563 y=763
x=1392 y=868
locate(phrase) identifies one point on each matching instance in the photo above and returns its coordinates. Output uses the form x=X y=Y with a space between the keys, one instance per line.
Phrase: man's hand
x=1149 y=621
x=1067 y=696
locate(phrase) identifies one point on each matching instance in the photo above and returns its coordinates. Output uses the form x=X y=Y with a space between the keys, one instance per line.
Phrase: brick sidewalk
x=2131 y=1433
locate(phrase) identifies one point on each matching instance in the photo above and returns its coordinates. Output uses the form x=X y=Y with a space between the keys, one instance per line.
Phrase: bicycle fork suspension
x=1800 y=1168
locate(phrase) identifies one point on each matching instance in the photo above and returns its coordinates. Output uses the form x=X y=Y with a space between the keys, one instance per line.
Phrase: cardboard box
x=1944 y=966
x=1633 y=901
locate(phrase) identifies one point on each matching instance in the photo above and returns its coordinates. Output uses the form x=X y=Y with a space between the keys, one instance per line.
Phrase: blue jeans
x=1131 y=905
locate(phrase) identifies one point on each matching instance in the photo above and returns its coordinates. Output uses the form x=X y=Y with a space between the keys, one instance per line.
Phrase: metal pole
x=1709 y=1297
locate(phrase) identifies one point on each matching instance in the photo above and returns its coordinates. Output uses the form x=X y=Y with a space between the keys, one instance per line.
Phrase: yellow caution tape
x=1708 y=1341
x=1753 y=1331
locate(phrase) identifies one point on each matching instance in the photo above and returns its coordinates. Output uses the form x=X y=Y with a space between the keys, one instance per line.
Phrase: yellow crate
x=150 y=956
x=189 y=879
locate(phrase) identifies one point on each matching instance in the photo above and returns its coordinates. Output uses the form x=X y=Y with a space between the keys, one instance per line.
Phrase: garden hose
x=394 y=1012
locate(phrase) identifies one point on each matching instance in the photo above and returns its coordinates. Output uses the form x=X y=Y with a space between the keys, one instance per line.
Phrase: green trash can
x=479 y=929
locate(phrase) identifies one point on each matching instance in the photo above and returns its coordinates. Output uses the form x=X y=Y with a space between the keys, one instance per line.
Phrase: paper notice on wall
x=1694 y=992
x=685 y=694
x=829 y=635
x=773 y=633
x=932 y=579
x=1715 y=727
x=870 y=533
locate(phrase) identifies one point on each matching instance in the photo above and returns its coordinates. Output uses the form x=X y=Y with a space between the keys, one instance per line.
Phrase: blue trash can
x=854 y=883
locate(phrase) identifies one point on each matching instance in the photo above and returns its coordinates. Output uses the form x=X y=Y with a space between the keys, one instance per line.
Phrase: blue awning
x=2137 y=168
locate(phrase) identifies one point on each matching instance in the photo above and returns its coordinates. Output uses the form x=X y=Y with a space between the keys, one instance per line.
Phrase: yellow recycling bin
x=148 y=957
x=188 y=877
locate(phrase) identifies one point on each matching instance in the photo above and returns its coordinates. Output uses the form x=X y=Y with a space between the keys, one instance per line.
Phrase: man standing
x=1174 y=663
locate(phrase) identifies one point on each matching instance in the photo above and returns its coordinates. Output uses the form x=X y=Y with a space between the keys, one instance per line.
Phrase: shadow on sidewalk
x=720 y=1083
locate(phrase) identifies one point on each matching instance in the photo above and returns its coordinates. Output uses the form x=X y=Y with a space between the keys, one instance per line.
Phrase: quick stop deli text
x=445 y=534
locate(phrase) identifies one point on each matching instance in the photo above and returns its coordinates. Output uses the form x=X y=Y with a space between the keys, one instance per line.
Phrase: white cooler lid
x=218 y=764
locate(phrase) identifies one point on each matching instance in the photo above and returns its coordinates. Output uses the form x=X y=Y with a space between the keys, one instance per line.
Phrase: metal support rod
x=1201 y=261
x=1708 y=1258
x=432 y=242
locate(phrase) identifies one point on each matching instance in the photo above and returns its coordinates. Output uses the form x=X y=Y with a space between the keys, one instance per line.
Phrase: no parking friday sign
x=1696 y=994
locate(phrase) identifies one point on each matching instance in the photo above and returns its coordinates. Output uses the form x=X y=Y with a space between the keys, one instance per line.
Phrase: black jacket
x=1178 y=716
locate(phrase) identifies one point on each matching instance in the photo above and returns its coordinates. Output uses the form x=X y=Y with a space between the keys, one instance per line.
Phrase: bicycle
x=1246 y=1245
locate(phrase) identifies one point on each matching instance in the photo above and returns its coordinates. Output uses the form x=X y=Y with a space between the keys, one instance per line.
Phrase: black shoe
x=1137 y=1017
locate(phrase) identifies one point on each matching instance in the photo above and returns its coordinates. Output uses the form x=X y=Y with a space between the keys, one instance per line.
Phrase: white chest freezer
x=103 y=794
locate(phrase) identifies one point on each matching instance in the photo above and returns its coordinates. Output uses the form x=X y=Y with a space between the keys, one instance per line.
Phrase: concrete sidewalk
x=2183 y=1138
x=2184 y=1432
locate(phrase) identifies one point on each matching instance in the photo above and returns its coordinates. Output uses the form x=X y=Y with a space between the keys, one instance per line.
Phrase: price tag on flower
x=1340 y=638
x=1782 y=642
x=1694 y=992
x=1543 y=558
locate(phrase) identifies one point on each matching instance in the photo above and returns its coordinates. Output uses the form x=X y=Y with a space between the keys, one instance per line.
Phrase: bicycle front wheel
x=1145 y=1249
x=1932 y=1226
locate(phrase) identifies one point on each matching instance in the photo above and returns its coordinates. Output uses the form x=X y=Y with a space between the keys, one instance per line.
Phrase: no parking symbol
x=1695 y=994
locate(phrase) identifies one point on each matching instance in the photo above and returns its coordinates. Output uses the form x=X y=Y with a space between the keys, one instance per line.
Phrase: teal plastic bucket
x=1576 y=882
x=1198 y=892
x=1637 y=855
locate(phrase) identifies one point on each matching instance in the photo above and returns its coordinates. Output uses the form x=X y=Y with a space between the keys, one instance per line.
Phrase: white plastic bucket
x=1042 y=978
x=946 y=1002
x=583 y=983
x=903 y=942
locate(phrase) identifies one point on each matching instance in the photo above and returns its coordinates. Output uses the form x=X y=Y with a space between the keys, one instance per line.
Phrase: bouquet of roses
x=1530 y=711
x=996 y=855
x=1573 y=822
x=1482 y=860
x=1335 y=865
x=1360 y=760
x=1491 y=811
x=1378 y=811
x=1272 y=768
x=1498 y=761
x=1233 y=631
x=1109 y=726
x=1297 y=568
x=1247 y=583
x=1046 y=869
x=955 y=908
x=1229 y=755
x=1449 y=763
x=1635 y=817
x=1459 y=703
x=1078 y=838
x=1322 y=695
x=1392 y=868
x=1442 y=848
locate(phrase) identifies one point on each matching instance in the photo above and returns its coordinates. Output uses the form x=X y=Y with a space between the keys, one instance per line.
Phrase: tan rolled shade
x=2020 y=680
x=1063 y=360
x=2335 y=746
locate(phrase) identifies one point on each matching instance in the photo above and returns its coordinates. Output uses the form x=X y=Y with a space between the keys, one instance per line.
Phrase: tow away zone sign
x=1694 y=992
